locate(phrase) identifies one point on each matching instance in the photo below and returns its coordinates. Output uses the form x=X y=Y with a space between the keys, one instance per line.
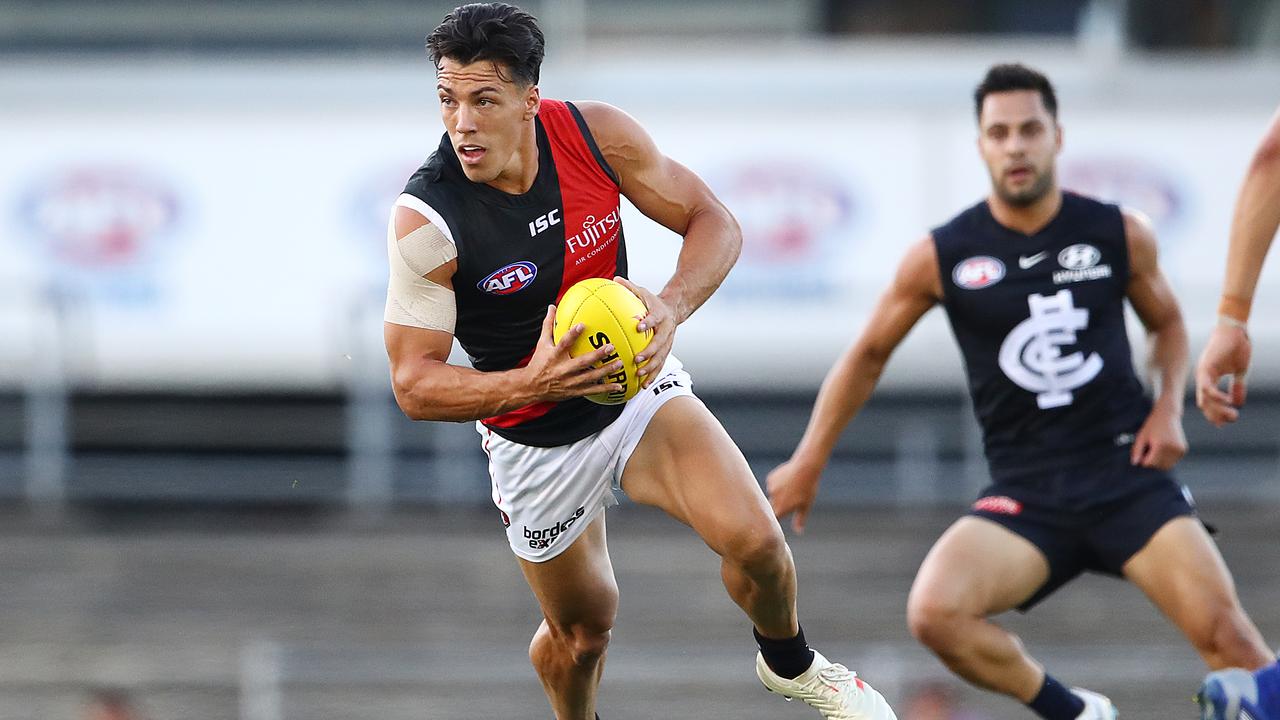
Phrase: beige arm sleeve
x=412 y=299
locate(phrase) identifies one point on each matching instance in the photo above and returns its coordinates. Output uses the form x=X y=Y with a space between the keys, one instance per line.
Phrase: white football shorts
x=549 y=496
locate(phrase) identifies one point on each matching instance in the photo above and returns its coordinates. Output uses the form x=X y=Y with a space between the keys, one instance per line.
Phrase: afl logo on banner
x=509 y=278
x=798 y=218
x=788 y=212
x=1133 y=182
x=978 y=272
x=100 y=217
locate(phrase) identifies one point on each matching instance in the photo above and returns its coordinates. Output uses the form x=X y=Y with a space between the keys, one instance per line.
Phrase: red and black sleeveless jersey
x=517 y=254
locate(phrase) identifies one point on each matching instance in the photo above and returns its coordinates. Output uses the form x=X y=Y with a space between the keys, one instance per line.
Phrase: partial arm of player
x=418 y=332
x=917 y=286
x=1253 y=227
x=675 y=197
x=1160 y=443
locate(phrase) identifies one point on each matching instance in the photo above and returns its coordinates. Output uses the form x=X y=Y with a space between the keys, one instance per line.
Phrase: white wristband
x=1232 y=322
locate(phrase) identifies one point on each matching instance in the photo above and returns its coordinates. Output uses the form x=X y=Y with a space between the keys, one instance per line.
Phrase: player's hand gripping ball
x=609 y=313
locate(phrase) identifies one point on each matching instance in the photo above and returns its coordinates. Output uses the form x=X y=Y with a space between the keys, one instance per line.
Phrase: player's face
x=486 y=113
x=1019 y=141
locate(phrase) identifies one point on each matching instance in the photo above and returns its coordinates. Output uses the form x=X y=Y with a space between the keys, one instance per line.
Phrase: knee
x=935 y=622
x=759 y=547
x=588 y=643
x=584 y=643
x=1225 y=633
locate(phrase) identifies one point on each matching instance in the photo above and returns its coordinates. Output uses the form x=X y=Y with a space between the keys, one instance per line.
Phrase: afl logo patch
x=509 y=278
x=978 y=272
x=1079 y=257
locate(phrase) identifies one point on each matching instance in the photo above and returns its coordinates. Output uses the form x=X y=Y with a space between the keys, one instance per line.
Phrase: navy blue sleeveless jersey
x=517 y=254
x=1040 y=322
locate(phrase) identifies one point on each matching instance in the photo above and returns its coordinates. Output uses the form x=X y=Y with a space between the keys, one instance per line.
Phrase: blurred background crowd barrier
x=193 y=202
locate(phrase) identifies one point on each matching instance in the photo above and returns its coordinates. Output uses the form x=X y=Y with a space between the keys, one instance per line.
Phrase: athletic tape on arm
x=412 y=299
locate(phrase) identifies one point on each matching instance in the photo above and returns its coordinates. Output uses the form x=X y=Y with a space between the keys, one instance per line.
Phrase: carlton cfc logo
x=509 y=278
x=978 y=272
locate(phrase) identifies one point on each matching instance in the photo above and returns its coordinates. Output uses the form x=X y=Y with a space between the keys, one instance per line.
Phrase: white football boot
x=833 y=689
x=1096 y=707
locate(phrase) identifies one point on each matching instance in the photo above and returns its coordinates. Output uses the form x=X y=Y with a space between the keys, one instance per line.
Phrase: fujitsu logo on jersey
x=593 y=231
x=509 y=278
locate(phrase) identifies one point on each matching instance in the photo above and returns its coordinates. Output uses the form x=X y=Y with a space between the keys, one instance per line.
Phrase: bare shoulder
x=606 y=119
x=620 y=137
x=1140 y=236
x=918 y=272
x=430 y=254
x=407 y=220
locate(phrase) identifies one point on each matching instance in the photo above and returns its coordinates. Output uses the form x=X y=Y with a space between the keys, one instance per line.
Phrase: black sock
x=1055 y=702
x=788 y=658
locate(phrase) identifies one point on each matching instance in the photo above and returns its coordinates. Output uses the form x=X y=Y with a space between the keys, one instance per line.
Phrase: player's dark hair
x=1015 y=76
x=498 y=32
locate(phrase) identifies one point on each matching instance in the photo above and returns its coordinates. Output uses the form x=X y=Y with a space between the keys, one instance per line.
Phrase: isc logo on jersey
x=509 y=278
x=978 y=272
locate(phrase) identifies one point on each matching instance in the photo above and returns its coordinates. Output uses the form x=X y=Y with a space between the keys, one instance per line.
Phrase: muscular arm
x=916 y=287
x=676 y=198
x=427 y=387
x=1254 y=225
x=1160 y=442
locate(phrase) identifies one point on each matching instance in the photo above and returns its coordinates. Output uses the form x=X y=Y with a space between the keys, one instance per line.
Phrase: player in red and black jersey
x=519 y=202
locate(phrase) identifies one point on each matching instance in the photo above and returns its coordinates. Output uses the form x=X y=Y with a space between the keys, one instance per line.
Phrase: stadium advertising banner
x=182 y=249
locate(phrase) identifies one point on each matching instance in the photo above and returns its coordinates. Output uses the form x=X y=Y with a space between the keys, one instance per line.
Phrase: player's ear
x=1057 y=135
x=532 y=100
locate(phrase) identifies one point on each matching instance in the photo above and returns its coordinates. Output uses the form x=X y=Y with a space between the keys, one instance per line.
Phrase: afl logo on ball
x=978 y=272
x=509 y=278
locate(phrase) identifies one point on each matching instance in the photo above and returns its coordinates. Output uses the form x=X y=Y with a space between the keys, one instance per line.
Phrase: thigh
x=981 y=568
x=1182 y=572
x=547 y=496
x=577 y=588
x=687 y=465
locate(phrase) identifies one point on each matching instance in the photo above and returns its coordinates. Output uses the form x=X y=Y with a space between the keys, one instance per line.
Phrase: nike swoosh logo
x=1025 y=262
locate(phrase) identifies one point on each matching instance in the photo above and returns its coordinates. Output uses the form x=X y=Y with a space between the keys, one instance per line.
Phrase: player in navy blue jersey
x=1034 y=281
x=519 y=202
x=1227 y=693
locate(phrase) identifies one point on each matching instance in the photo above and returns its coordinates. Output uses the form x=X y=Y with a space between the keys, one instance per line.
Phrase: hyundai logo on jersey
x=509 y=278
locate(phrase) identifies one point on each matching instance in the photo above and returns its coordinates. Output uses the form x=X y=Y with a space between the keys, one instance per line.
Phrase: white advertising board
x=241 y=245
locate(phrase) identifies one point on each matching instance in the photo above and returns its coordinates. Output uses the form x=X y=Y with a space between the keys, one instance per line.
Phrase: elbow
x=870 y=360
x=731 y=237
x=409 y=396
x=1170 y=326
x=735 y=236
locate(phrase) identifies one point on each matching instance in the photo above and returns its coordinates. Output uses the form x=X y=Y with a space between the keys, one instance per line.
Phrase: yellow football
x=609 y=313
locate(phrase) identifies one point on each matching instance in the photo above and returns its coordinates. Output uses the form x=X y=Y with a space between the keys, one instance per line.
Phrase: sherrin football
x=609 y=313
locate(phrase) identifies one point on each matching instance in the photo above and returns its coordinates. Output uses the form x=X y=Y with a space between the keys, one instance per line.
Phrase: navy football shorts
x=1076 y=535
